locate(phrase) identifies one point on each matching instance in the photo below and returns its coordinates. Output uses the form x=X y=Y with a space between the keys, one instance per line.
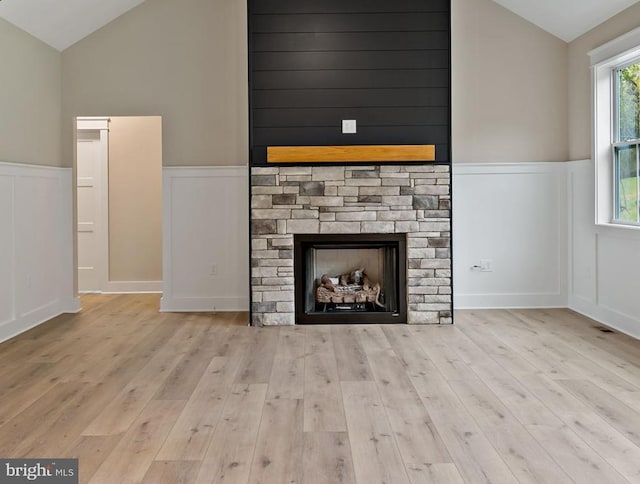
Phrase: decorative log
x=353 y=287
x=377 y=301
x=326 y=283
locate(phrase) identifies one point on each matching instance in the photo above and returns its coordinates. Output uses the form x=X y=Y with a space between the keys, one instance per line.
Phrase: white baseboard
x=509 y=301
x=624 y=323
x=133 y=287
x=72 y=306
x=203 y=304
x=37 y=316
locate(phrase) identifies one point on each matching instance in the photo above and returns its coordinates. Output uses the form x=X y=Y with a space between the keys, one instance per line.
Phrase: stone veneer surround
x=357 y=199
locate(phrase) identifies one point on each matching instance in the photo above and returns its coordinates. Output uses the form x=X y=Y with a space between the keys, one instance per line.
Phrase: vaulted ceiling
x=566 y=19
x=63 y=23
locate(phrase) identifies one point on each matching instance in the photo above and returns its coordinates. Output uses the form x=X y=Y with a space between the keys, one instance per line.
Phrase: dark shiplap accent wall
x=384 y=63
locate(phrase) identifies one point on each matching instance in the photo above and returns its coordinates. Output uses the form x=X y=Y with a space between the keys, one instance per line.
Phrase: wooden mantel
x=337 y=154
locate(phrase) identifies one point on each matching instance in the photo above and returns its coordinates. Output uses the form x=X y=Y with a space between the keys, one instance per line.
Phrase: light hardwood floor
x=528 y=396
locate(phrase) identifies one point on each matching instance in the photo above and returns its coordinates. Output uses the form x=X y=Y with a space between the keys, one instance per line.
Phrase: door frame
x=98 y=124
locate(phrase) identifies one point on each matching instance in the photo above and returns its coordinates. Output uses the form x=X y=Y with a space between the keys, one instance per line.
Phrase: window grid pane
x=627 y=169
x=628 y=102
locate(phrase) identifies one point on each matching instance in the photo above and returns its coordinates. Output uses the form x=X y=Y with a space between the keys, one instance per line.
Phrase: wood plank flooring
x=526 y=396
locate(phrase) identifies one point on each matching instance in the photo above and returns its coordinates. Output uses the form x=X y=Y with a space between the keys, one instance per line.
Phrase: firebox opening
x=354 y=278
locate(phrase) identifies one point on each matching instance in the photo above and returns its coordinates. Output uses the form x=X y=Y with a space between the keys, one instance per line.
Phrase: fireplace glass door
x=355 y=278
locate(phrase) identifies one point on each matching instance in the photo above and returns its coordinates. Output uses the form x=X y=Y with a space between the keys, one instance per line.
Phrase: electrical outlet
x=486 y=265
x=213 y=270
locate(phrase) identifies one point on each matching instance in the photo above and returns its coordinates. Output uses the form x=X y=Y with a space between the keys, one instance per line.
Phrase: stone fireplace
x=410 y=200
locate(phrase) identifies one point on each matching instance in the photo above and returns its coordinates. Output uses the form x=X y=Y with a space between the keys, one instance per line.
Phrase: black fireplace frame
x=302 y=241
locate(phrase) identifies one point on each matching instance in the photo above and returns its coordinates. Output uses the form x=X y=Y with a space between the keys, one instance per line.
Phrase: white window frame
x=604 y=60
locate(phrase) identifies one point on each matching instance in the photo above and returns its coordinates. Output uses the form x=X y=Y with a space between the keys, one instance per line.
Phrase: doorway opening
x=119 y=204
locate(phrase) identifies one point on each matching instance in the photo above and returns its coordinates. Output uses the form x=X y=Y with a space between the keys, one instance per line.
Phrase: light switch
x=348 y=126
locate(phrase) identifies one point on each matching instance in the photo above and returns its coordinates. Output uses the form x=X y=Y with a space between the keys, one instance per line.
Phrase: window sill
x=619 y=229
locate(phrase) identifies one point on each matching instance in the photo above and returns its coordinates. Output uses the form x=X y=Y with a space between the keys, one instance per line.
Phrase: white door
x=89 y=170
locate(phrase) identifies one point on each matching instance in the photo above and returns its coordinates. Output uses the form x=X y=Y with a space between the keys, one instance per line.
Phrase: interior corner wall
x=188 y=63
x=36 y=234
x=29 y=99
x=603 y=261
x=579 y=80
x=509 y=87
x=603 y=264
x=510 y=125
x=185 y=61
x=36 y=246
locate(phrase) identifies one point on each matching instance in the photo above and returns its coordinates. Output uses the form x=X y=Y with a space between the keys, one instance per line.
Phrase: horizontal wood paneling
x=352 y=6
x=339 y=41
x=293 y=154
x=325 y=117
x=400 y=134
x=367 y=59
x=352 y=22
x=352 y=98
x=351 y=79
x=314 y=63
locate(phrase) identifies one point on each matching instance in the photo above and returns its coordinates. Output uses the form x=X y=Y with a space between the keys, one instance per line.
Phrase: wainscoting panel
x=618 y=267
x=604 y=264
x=7 y=272
x=582 y=239
x=534 y=221
x=205 y=239
x=36 y=246
x=513 y=216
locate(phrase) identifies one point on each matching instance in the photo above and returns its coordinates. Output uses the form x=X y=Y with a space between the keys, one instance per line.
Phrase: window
x=616 y=117
x=627 y=143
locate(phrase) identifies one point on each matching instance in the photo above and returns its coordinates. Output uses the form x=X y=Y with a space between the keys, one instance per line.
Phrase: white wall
x=509 y=87
x=36 y=246
x=183 y=60
x=536 y=222
x=206 y=239
x=135 y=201
x=36 y=243
x=579 y=77
x=525 y=217
x=604 y=269
x=514 y=215
x=30 y=99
